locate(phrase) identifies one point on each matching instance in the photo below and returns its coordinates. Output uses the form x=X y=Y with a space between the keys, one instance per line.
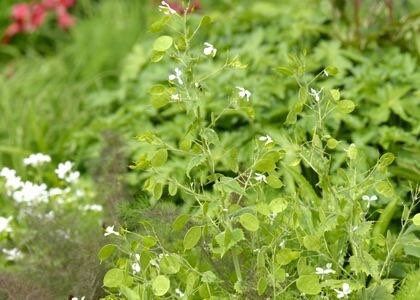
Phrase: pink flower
x=64 y=19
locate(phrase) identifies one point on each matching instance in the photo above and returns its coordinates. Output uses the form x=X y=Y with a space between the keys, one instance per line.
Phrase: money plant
x=292 y=210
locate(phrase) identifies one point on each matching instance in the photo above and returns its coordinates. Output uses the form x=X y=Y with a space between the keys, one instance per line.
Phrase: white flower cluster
x=260 y=177
x=36 y=159
x=266 y=139
x=64 y=171
x=135 y=266
x=5 y=224
x=93 y=207
x=12 y=254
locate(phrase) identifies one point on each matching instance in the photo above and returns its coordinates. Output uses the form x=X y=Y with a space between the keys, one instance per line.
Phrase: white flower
x=175 y=97
x=31 y=193
x=321 y=271
x=110 y=230
x=266 y=138
x=73 y=177
x=13 y=182
x=93 y=207
x=5 y=224
x=260 y=177
x=36 y=159
x=136 y=268
x=325 y=73
x=209 y=49
x=63 y=169
x=176 y=76
x=75 y=298
x=166 y=8
x=243 y=93
x=344 y=292
x=55 y=192
x=12 y=254
x=179 y=293
x=369 y=199
x=314 y=93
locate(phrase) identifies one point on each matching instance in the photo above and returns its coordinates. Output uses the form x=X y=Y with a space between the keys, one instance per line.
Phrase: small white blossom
x=314 y=93
x=136 y=268
x=243 y=93
x=260 y=177
x=321 y=271
x=63 y=169
x=73 y=177
x=282 y=244
x=13 y=182
x=344 y=292
x=179 y=293
x=265 y=138
x=175 y=97
x=209 y=50
x=5 y=224
x=325 y=73
x=36 y=159
x=176 y=76
x=110 y=230
x=166 y=8
x=93 y=207
x=12 y=254
x=31 y=193
x=369 y=199
x=76 y=298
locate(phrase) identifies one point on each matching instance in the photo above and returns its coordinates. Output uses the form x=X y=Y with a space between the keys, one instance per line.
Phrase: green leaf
x=335 y=94
x=170 y=264
x=386 y=159
x=160 y=158
x=208 y=277
x=130 y=294
x=226 y=239
x=114 y=278
x=180 y=222
x=210 y=136
x=312 y=242
x=332 y=143
x=149 y=241
x=278 y=205
x=265 y=165
x=416 y=219
x=162 y=43
x=286 y=256
x=365 y=263
x=159 y=24
x=157 y=56
x=345 y=106
x=161 y=285
x=192 y=237
x=159 y=101
x=352 y=152
x=274 y=182
x=249 y=222
x=385 y=188
x=106 y=251
x=331 y=70
x=262 y=285
x=308 y=284
x=172 y=188
x=195 y=162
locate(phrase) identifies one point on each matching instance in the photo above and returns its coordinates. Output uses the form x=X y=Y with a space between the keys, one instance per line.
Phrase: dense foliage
x=273 y=145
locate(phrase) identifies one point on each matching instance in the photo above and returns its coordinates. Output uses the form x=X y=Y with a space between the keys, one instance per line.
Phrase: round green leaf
x=386 y=159
x=332 y=143
x=278 y=205
x=249 y=222
x=161 y=285
x=416 y=219
x=192 y=237
x=162 y=43
x=106 y=251
x=308 y=284
x=114 y=278
x=262 y=285
x=345 y=106
x=274 y=182
x=170 y=264
x=160 y=158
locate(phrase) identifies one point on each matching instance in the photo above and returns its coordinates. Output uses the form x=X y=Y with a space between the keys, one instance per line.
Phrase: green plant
x=269 y=211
